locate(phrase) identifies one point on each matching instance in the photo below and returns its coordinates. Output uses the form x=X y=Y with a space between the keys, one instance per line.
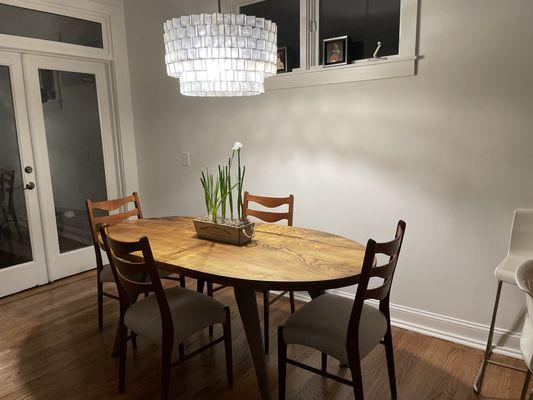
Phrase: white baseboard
x=455 y=330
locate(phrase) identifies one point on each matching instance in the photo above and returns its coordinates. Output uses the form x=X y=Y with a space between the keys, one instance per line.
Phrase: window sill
x=362 y=70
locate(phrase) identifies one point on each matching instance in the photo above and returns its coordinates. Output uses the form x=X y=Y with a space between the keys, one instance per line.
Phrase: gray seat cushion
x=191 y=311
x=323 y=325
x=107 y=275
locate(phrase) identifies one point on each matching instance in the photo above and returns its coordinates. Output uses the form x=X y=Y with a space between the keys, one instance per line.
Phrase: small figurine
x=376 y=52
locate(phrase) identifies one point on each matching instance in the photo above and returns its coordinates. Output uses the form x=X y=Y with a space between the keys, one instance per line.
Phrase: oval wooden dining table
x=278 y=258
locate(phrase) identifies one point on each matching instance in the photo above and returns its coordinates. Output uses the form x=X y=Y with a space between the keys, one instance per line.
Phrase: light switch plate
x=186 y=159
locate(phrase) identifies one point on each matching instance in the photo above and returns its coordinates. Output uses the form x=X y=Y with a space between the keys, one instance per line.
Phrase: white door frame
x=33 y=273
x=110 y=13
x=64 y=264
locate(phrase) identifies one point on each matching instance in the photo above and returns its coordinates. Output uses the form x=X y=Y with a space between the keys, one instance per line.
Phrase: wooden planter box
x=224 y=233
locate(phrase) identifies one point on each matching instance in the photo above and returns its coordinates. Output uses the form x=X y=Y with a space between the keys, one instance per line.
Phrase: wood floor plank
x=50 y=348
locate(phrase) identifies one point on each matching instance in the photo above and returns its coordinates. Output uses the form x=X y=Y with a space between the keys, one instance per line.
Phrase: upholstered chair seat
x=323 y=325
x=191 y=312
x=106 y=275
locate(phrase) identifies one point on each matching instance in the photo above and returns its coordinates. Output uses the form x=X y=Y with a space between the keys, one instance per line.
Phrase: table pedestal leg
x=247 y=304
x=316 y=293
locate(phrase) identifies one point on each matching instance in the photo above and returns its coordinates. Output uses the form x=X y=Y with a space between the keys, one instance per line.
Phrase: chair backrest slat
x=116 y=218
x=384 y=271
x=269 y=202
x=380 y=292
x=267 y=216
x=389 y=248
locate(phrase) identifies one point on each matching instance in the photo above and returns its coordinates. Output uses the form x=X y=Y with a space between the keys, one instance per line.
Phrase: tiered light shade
x=220 y=54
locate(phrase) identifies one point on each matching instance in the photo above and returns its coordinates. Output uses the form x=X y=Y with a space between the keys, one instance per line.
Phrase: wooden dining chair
x=99 y=213
x=270 y=216
x=266 y=216
x=165 y=317
x=347 y=329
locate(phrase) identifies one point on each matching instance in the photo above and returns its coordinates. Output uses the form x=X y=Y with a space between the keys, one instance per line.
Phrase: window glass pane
x=366 y=22
x=72 y=123
x=18 y=21
x=285 y=13
x=15 y=243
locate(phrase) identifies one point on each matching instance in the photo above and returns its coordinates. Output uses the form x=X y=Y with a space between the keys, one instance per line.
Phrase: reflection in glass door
x=73 y=137
x=22 y=261
x=71 y=124
x=15 y=243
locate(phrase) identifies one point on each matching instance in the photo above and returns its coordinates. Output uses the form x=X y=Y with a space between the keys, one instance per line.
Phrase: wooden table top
x=278 y=258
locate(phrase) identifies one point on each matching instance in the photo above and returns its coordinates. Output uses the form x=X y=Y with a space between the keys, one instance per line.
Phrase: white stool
x=520 y=250
x=524 y=280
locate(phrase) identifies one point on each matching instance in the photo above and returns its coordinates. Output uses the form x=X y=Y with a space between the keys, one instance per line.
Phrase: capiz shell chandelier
x=220 y=54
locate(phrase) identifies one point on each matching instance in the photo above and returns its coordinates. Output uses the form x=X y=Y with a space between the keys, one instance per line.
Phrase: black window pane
x=285 y=13
x=18 y=21
x=366 y=22
x=73 y=135
x=15 y=240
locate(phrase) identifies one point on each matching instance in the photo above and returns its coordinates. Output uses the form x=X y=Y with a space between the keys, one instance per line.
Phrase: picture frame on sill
x=283 y=60
x=335 y=51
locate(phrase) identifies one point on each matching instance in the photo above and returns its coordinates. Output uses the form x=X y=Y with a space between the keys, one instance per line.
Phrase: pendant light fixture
x=219 y=54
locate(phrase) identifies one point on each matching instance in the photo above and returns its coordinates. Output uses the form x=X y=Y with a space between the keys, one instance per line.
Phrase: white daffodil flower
x=237 y=146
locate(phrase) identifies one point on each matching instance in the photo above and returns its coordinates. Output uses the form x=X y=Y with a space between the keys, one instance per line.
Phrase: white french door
x=22 y=254
x=70 y=119
x=63 y=130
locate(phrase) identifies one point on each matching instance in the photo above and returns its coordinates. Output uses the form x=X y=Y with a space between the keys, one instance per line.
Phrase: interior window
x=366 y=22
x=18 y=21
x=286 y=14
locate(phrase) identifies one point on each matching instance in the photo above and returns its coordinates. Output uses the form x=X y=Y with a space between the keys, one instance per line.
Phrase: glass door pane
x=71 y=121
x=22 y=257
x=73 y=136
x=15 y=243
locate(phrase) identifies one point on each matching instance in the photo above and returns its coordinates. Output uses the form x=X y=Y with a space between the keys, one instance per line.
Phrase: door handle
x=30 y=186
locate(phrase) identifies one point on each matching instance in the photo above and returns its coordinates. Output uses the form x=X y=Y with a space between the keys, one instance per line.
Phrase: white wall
x=449 y=150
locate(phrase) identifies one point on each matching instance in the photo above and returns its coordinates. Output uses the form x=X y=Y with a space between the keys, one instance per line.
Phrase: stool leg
x=478 y=383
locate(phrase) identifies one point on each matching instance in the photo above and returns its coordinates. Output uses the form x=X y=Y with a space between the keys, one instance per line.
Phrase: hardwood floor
x=50 y=348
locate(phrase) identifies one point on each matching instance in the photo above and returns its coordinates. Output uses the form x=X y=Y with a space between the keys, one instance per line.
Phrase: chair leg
x=210 y=294
x=123 y=349
x=100 y=300
x=182 y=281
x=282 y=364
x=526 y=385
x=165 y=368
x=228 y=347
x=389 y=352
x=324 y=363
x=478 y=383
x=181 y=351
x=293 y=306
x=266 y=319
x=357 y=378
x=133 y=340
x=200 y=285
